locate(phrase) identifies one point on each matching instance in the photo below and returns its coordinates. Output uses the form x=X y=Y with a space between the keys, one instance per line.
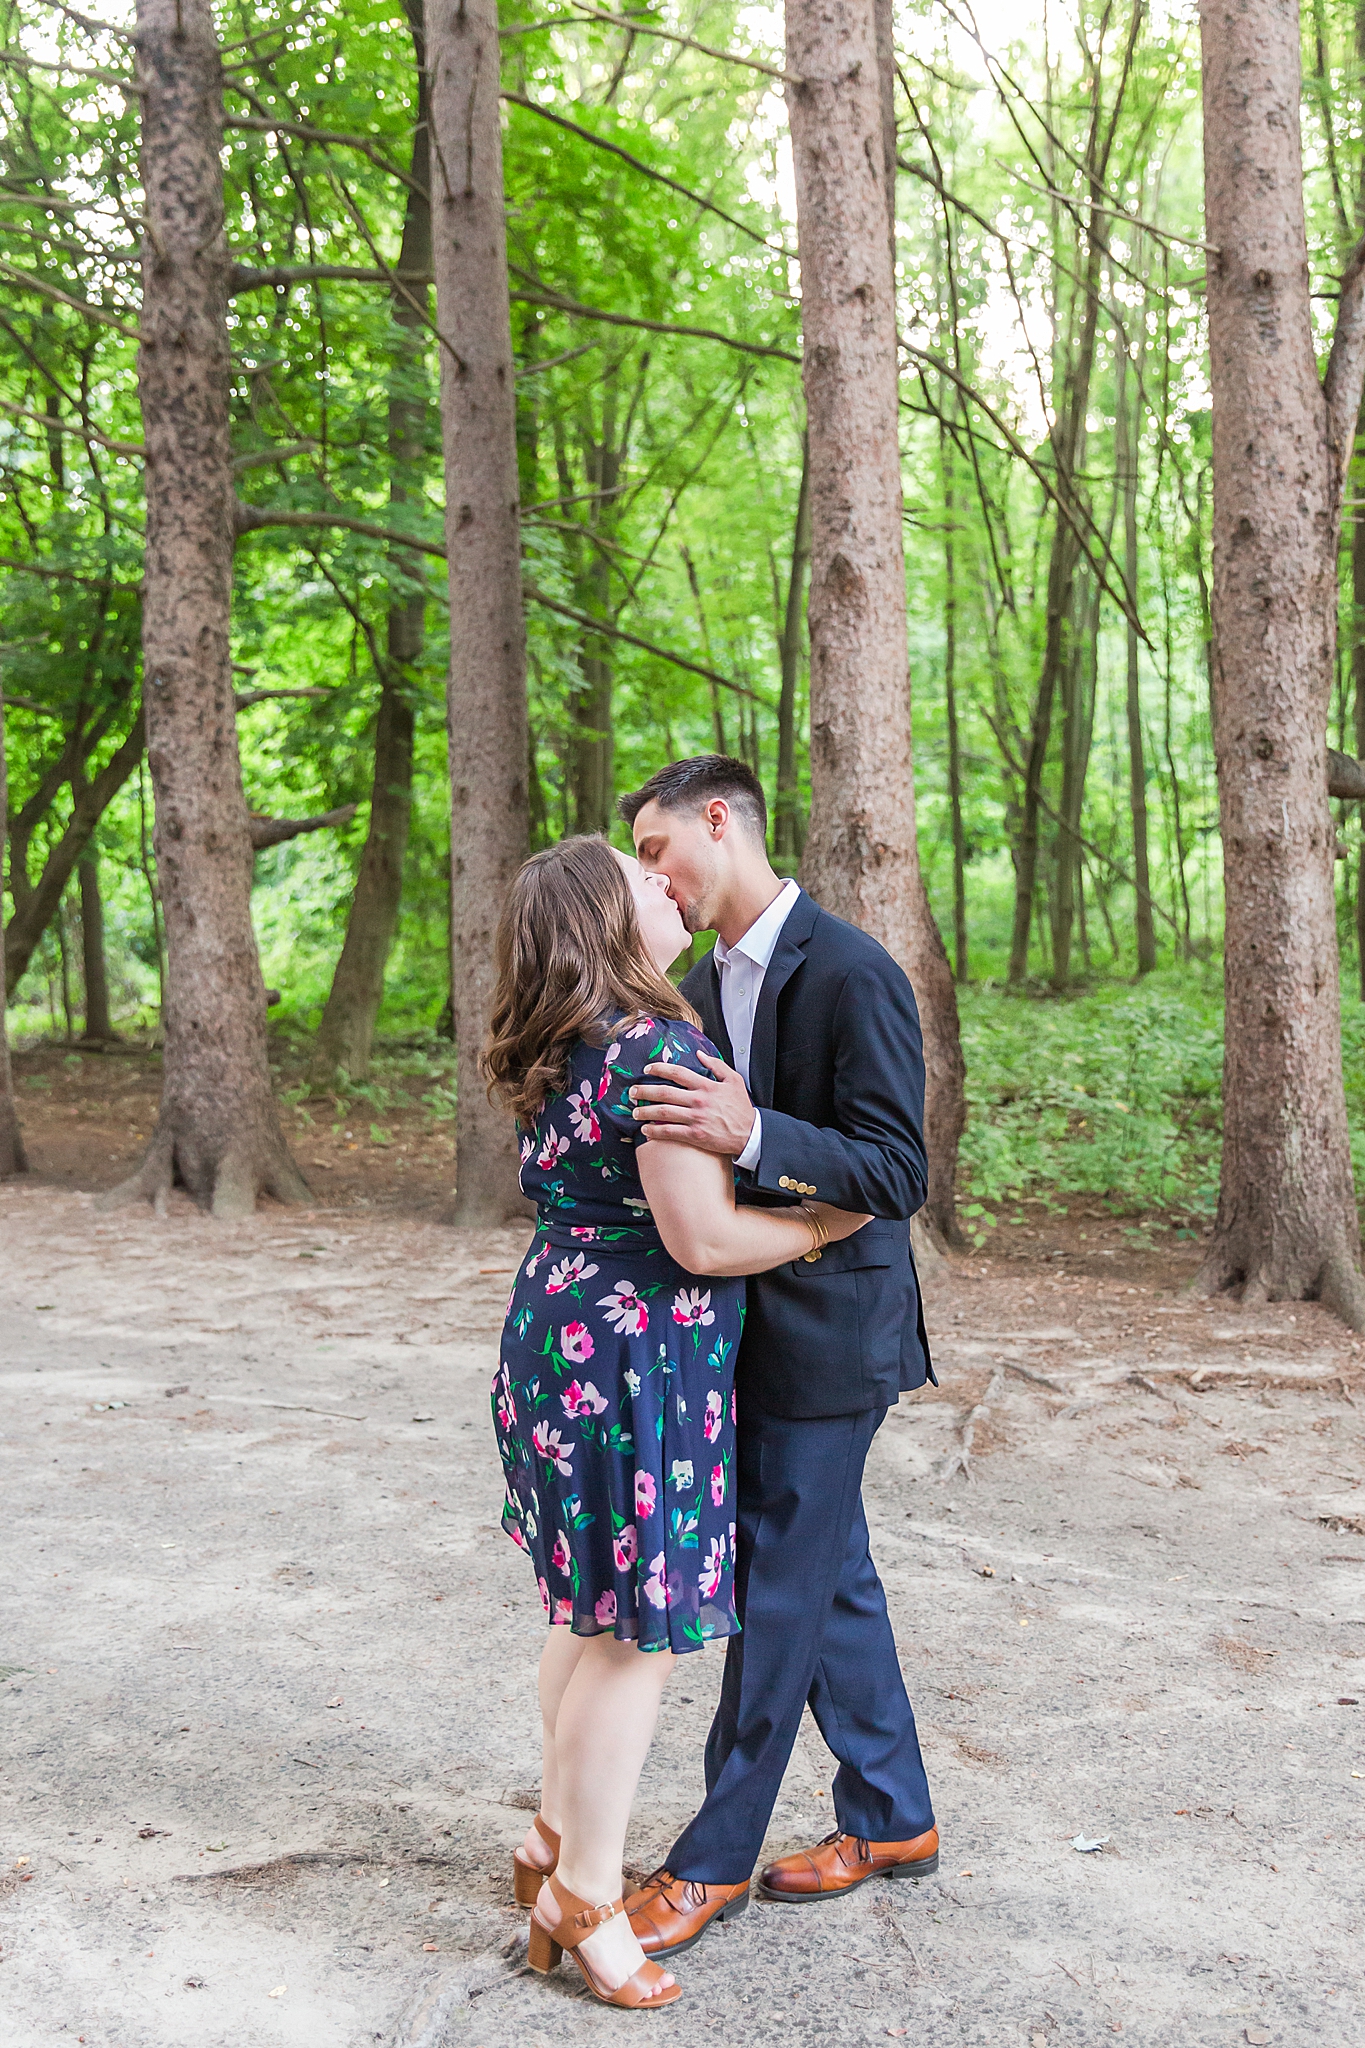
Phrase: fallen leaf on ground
x=278 y=1992
x=337 y=1702
x=1087 y=1844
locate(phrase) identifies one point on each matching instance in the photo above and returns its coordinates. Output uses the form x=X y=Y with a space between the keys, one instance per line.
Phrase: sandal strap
x=546 y=1833
x=642 y=1984
x=578 y=1917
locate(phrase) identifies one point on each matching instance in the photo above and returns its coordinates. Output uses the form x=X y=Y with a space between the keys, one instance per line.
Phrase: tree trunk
x=861 y=860
x=98 y=1026
x=789 y=824
x=1126 y=442
x=488 y=724
x=12 y=1159
x=594 y=736
x=218 y=1130
x=945 y=449
x=1358 y=675
x=1075 y=759
x=346 y=1032
x=1287 y=1225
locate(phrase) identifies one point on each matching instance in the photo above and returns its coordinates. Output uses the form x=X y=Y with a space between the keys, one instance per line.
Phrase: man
x=821 y=1092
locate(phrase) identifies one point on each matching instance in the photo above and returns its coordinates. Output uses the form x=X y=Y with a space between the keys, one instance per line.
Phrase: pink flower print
x=563 y=1614
x=734 y=1406
x=605 y=1610
x=569 y=1273
x=586 y=1231
x=553 y=1448
x=691 y=1307
x=559 y=1556
x=552 y=1150
x=641 y=1028
x=715 y=1409
x=516 y=1535
x=578 y=1400
x=583 y=1116
x=528 y=1146
x=717 y=1485
x=613 y=1052
x=575 y=1341
x=655 y=1590
x=644 y=1495
x=544 y=1594
x=627 y=1314
x=539 y=1260
x=708 y=1578
x=625 y=1548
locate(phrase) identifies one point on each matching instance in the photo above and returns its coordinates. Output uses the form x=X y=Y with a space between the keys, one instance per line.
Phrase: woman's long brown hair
x=571 y=963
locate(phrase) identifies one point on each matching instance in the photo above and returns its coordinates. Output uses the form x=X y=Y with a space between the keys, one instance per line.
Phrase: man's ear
x=717 y=816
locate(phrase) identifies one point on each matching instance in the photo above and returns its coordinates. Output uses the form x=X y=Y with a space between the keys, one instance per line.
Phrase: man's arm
x=873 y=1158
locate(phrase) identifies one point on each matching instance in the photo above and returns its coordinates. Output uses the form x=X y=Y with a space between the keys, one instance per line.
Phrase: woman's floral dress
x=614 y=1398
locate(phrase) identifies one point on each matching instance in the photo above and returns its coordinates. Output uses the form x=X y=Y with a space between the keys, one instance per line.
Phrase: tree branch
x=556 y=302
x=279 y=276
x=261 y=458
x=245 y=698
x=633 y=639
x=517 y=99
x=263 y=125
x=51 y=423
x=1345 y=776
x=665 y=35
x=274 y=831
x=253 y=518
x=49 y=291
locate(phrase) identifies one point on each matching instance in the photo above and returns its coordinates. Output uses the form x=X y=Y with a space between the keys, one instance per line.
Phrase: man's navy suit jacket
x=837 y=1068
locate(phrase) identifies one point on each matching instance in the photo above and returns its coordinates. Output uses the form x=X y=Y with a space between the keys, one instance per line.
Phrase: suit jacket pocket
x=876 y=1244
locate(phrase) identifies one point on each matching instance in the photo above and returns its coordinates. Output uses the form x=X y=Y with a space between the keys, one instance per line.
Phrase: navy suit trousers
x=815 y=1632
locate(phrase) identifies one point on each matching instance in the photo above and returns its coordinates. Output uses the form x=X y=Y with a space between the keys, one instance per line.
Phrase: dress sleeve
x=648 y=1041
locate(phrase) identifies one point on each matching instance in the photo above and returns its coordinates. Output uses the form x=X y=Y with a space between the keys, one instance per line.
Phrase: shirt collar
x=759 y=942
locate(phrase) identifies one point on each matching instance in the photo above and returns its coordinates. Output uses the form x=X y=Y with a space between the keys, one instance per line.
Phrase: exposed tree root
x=226 y=1187
x=1335 y=1281
x=960 y=1459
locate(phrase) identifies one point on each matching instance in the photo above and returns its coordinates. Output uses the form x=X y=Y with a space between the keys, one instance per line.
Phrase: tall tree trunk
x=12 y=1159
x=218 y=1130
x=98 y=1027
x=487 y=702
x=594 y=736
x=346 y=1033
x=1126 y=442
x=1358 y=672
x=789 y=824
x=861 y=859
x=1287 y=1223
x=1075 y=751
x=945 y=449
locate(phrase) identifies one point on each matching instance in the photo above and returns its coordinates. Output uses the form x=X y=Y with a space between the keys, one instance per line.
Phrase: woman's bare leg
x=558 y=1661
x=602 y=1732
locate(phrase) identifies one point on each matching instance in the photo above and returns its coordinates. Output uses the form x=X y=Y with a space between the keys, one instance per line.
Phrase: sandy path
x=268 y=1615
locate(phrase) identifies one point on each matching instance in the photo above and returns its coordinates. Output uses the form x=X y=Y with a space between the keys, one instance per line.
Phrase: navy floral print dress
x=614 y=1397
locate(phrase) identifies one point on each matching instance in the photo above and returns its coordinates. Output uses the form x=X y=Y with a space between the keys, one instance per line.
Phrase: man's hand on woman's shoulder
x=712 y=1113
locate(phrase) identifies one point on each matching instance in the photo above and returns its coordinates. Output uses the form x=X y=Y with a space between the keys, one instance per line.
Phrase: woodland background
x=661 y=455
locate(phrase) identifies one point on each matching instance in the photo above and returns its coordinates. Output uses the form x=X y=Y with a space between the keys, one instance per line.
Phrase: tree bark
x=98 y=1027
x=789 y=824
x=218 y=1130
x=861 y=860
x=12 y=1158
x=1127 y=438
x=36 y=904
x=1287 y=1225
x=487 y=693
x=346 y=1032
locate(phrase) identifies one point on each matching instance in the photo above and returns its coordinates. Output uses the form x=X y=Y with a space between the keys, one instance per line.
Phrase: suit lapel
x=788 y=955
x=712 y=1016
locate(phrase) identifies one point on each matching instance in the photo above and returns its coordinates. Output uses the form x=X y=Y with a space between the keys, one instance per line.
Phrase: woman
x=614 y=1396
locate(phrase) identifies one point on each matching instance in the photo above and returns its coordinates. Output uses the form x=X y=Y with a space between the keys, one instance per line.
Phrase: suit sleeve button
x=783 y=1182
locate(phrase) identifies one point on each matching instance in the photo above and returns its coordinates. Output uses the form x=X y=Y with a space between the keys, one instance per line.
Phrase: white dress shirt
x=742 y=968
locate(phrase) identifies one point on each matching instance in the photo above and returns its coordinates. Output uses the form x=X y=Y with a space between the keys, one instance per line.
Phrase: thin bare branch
x=256 y=518
x=665 y=35
x=80 y=431
x=556 y=302
x=695 y=668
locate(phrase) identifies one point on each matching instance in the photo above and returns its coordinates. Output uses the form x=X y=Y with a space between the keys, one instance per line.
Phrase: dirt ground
x=266 y=1670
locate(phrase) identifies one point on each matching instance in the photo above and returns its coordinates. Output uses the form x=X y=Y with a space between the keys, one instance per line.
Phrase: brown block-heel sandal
x=527 y=1878
x=579 y=1920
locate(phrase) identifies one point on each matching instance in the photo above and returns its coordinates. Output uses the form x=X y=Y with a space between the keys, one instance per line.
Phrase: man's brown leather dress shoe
x=670 y=1914
x=841 y=1863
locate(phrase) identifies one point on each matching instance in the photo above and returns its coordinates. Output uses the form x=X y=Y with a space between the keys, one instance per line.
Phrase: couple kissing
x=716 y=1312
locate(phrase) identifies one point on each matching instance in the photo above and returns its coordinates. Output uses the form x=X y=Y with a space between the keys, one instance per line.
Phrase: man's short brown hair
x=689 y=785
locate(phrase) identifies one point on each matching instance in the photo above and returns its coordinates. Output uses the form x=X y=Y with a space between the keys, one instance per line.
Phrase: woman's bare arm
x=692 y=1199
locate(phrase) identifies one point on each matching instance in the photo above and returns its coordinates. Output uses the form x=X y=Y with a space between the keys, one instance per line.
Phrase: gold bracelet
x=819 y=1233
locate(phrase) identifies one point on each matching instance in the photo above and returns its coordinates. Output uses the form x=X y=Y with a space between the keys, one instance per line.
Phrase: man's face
x=686 y=847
